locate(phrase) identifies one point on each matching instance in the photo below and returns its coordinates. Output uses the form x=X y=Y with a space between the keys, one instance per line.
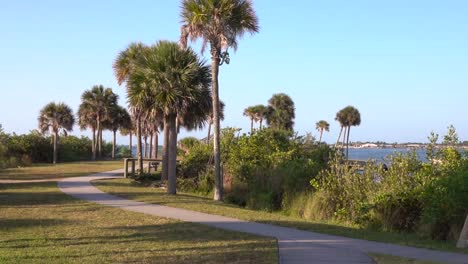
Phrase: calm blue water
x=380 y=154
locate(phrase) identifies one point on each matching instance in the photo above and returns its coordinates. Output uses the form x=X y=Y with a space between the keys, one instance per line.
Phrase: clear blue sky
x=403 y=64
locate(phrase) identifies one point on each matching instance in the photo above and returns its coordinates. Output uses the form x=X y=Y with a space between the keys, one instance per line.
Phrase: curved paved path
x=295 y=246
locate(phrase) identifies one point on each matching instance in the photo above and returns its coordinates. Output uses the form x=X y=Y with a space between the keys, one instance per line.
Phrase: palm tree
x=222 y=105
x=353 y=119
x=100 y=100
x=174 y=77
x=347 y=117
x=87 y=119
x=321 y=126
x=260 y=113
x=124 y=65
x=250 y=112
x=281 y=112
x=219 y=23
x=53 y=118
x=118 y=118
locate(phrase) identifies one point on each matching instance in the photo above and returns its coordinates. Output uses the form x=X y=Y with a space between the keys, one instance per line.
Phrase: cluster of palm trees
x=279 y=113
x=98 y=111
x=347 y=117
x=168 y=86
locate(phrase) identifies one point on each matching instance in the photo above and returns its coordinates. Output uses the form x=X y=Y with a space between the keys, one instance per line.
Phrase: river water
x=380 y=154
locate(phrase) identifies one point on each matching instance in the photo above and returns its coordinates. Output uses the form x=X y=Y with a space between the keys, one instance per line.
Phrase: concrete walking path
x=295 y=246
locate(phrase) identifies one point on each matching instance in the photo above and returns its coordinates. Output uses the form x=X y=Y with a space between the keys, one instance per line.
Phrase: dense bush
x=23 y=150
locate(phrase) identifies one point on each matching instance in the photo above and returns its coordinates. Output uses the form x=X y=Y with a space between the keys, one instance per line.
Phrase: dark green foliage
x=445 y=203
x=23 y=150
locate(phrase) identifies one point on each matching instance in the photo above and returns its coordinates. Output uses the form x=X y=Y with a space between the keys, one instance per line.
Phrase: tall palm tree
x=347 y=117
x=251 y=114
x=124 y=65
x=321 y=126
x=219 y=23
x=222 y=105
x=87 y=119
x=353 y=119
x=100 y=100
x=53 y=118
x=281 y=112
x=174 y=77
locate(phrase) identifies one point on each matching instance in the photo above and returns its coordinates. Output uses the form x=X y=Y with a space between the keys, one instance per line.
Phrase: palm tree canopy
x=56 y=117
x=250 y=112
x=128 y=60
x=86 y=116
x=348 y=116
x=322 y=125
x=281 y=112
x=118 y=118
x=100 y=100
x=218 y=22
x=260 y=111
x=170 y=79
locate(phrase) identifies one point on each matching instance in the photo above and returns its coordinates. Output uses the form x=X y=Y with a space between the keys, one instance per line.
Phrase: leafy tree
x=321 y=126
x=281 y=112
x=54 y=118
x=219 y=23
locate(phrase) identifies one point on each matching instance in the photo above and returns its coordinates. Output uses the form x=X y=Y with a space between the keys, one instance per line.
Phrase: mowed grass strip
x=39 y=224
x=60 y=170
x=133 y=190
x=388 y=259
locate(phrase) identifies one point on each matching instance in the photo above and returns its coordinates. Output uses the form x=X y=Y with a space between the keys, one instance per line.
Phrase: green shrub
x=445 y=203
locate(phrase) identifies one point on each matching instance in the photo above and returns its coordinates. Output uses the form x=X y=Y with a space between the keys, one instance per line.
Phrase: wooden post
x=463 y=240
x=133 y=167
x=125 y=168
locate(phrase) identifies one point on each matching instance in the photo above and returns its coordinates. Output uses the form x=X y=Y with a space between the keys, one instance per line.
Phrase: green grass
x=39 y=224
x=388 y=259
x=135 y=191
x=61 y=170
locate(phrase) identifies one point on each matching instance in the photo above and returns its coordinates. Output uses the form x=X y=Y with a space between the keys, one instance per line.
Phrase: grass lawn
x=388 y=259
x=40 y=224
x=61 y=170
x=135 y=191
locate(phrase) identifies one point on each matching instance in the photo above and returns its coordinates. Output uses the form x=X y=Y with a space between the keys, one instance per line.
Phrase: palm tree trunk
x=347 y=143
x=321 y=133
x=151 y=146
x=113 y=143
x=209 y=132
x=339 y=136
x=130 y=145
x=165 y=151
x=251 y=126
x=93 y=143
x=139 y=148
x=155 y=145
x=55 y=147
x=261 y=120
x=98 y=121
x=218 y=191
x=171 y=181
x=344 y=137
x=100 y=143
